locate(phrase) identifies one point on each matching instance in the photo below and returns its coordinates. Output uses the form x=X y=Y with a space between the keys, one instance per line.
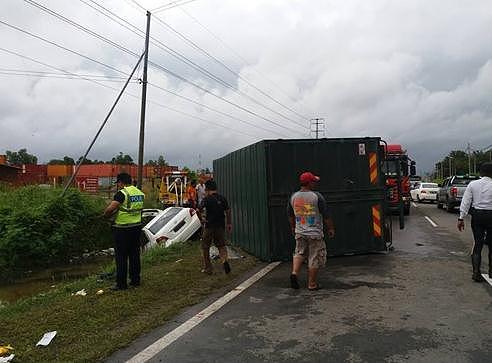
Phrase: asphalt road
x=414 y=304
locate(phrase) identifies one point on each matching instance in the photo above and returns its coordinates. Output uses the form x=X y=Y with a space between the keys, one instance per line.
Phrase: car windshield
x=429 y=185
x=164 y=219
x=463 y=180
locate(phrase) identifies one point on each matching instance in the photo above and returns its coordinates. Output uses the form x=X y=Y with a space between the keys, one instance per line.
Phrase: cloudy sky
x=416 y=72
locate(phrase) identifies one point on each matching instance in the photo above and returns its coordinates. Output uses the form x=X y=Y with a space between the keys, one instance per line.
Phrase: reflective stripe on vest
x=130 y=211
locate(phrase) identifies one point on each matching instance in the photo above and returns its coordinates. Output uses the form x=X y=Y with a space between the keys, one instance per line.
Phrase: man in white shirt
x=200 y=191
x=477 y=201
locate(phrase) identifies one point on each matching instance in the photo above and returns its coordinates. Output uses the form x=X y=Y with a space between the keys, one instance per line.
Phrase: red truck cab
x=398 y=169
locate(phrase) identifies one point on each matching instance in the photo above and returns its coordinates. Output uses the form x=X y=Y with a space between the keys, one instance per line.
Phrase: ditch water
x=44 y=280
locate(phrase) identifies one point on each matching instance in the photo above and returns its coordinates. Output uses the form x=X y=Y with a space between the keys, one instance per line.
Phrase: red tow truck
x=398 y=169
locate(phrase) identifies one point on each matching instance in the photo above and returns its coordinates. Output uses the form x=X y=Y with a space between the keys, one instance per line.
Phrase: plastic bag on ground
x=47 y=338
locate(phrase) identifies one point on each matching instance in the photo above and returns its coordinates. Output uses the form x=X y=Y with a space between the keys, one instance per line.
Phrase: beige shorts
x=314 y=249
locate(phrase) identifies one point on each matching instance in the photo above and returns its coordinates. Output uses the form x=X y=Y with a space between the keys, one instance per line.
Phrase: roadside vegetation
x=40 y=228
x=91 y=327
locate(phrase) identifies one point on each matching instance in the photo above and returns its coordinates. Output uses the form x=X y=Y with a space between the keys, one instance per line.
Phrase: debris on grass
x=232 y=253
x=99 y=292
x=7 y=359
x=80 y=293
x=47 y=338
x=178 y=260
x=5 y=349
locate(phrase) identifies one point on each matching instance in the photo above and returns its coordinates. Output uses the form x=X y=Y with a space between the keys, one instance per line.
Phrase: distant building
x=9 y=174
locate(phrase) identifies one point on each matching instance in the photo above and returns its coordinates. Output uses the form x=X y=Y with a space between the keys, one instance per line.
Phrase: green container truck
x=259 y=179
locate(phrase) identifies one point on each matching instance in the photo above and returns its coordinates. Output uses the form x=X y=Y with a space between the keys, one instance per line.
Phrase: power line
x=171 y=5
x=80 y=27
x=28 y=71
x=60 y=46
x=130 y=94
x=105 y=11
x=52 y=76
x=138 y=5
x=201 y=119
x=164 y=69
x=119 y=71
x=214 y=109
x=196 y=46
x=55 y=68
x=239 y=56
x=218 y=79
x=204 y=71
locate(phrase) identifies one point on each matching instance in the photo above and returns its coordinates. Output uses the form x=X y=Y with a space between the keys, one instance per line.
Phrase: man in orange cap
x=307 y=211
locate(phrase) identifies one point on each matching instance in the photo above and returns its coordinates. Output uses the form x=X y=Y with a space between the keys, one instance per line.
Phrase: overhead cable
x=130 y=94
x=194 y=65
x=241 y=58
x=126 y=50
x=215 y=59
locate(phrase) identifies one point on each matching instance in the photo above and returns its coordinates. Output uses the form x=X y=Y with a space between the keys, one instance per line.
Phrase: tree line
x=23 y=157
x=460 y=162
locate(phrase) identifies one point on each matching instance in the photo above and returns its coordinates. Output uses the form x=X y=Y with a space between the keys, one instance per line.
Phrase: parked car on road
x=171 y=225
x=452 y=190
x=425 y=191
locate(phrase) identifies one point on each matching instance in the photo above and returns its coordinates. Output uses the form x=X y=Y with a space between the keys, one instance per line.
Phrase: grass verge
x=91 y=327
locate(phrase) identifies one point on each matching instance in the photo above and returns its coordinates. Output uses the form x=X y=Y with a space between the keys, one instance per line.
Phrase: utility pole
x=469 y=158
x=317 y=122
x=449 y=159
x=142 y=109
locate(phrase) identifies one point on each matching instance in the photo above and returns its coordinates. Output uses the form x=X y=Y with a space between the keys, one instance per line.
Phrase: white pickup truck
x=451 y=191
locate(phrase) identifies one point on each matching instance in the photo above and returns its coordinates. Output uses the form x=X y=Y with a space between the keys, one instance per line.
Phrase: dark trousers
x=127 y=255
x=481 y=225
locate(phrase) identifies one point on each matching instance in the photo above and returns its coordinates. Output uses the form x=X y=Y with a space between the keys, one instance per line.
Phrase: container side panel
x=240 y=177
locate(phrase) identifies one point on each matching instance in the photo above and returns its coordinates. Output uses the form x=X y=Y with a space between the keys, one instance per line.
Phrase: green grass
x=40 y=228
x=91 y=327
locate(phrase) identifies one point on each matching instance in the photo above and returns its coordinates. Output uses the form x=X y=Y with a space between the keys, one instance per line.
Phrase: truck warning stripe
x=376 y=220
x=373 y=168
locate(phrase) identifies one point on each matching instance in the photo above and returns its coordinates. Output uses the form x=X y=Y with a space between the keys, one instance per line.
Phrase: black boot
x=477 y=276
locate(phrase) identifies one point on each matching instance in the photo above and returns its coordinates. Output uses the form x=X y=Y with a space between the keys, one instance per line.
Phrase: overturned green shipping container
x=259 y=179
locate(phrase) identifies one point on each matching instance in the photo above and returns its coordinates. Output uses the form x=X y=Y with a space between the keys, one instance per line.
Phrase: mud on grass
x=92 y=327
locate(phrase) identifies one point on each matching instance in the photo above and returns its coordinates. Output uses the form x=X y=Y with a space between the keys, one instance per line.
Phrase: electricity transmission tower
x=317 y=127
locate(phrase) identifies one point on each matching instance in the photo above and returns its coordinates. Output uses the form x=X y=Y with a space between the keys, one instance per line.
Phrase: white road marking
x=153 y=349
x=431 y=221
x=487 y=278
x=415 y=205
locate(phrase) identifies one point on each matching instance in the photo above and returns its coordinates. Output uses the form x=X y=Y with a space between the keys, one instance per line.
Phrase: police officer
x=127 y=204
x=477 y=201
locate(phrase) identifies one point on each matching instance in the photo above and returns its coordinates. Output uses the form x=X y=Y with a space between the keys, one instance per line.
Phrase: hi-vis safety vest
x=130 y=211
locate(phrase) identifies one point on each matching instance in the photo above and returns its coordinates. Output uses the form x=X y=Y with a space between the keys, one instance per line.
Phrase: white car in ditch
x=168 y=226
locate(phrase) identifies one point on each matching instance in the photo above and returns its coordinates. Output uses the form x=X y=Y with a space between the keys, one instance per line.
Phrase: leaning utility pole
x=82 y=159
x=317 y=122
x=142 y=110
